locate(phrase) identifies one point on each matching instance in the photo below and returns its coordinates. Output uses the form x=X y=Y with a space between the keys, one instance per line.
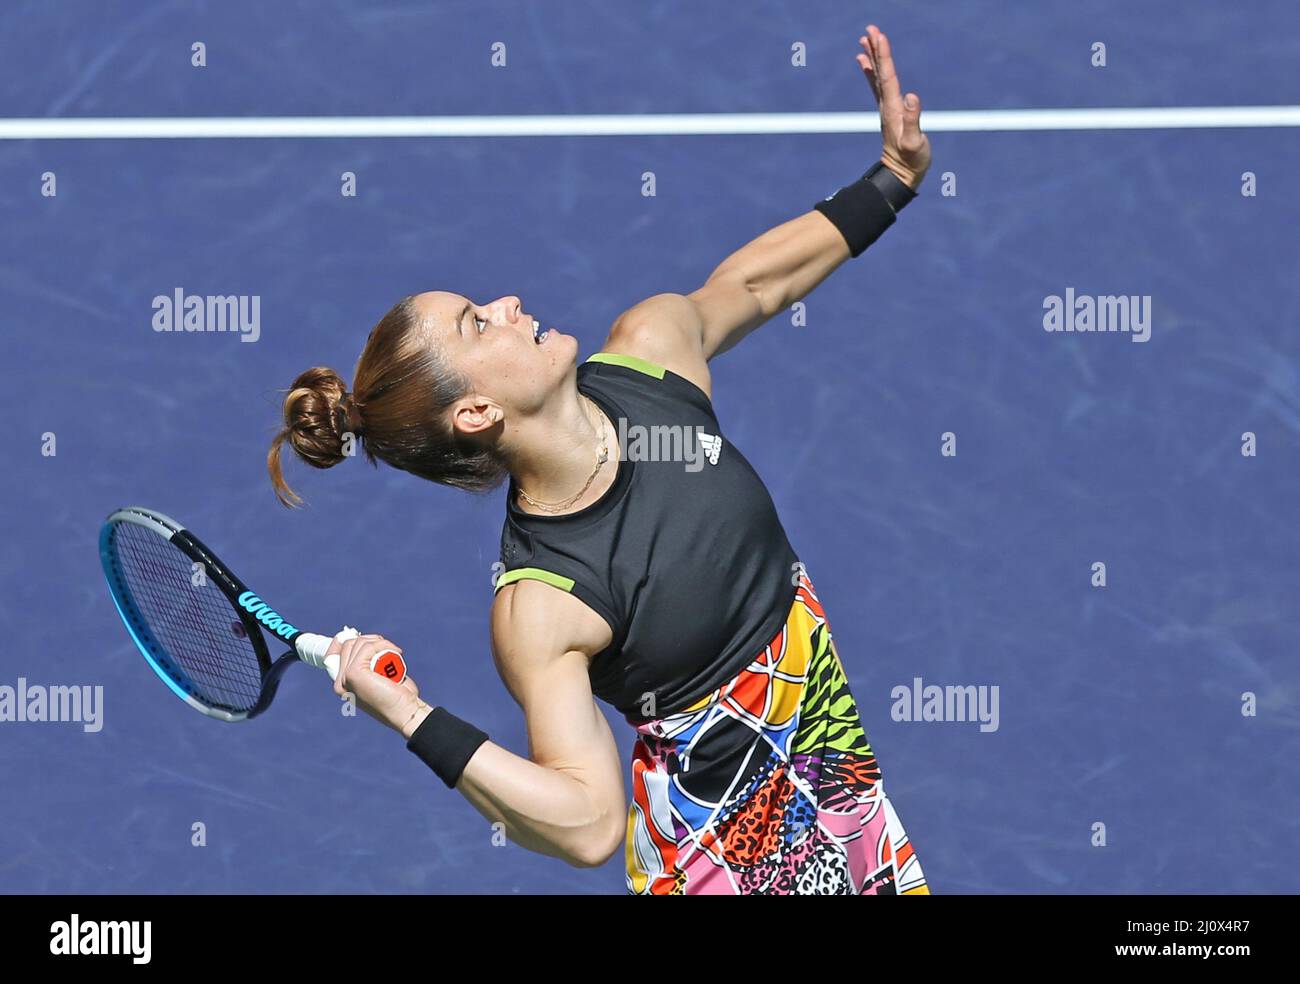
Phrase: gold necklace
x=601 y=458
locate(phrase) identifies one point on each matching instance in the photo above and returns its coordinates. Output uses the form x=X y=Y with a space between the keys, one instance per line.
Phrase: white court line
x=680 y=124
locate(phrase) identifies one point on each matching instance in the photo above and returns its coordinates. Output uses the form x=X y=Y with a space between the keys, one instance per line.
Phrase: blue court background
x=1118 y=705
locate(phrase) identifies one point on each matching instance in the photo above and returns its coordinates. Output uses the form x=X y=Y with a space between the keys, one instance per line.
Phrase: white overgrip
x=311 y=649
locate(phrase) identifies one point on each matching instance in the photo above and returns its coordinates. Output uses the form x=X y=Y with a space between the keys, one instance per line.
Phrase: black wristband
x=895 y=190
x=863 y=210
x=445 y=744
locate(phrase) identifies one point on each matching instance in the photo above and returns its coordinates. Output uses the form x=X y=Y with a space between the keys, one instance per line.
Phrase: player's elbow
x=597 y=846
x=747 y=296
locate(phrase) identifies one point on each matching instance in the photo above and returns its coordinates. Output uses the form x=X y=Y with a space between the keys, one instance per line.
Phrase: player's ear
x=474 y=415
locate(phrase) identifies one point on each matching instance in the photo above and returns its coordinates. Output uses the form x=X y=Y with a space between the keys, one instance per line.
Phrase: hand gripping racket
x=198 y=626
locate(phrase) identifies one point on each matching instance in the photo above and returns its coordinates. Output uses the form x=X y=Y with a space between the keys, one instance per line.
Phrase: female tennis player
x=661 y=584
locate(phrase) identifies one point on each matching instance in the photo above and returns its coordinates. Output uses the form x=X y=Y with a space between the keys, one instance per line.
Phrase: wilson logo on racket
x=265 y=614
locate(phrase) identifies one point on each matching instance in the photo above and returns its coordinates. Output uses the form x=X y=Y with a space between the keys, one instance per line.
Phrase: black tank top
x=685 y=559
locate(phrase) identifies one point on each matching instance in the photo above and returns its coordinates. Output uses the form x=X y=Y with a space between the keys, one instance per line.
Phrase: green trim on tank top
x=629 y=362
x=534 y=574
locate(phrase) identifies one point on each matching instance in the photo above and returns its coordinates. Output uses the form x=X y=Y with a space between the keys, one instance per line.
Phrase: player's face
x=497 y=347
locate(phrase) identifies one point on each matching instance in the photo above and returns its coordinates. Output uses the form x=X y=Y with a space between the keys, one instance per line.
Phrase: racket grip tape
x=311 y=650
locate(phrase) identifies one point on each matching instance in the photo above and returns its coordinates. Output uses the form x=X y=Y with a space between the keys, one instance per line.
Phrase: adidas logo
x=712 y=446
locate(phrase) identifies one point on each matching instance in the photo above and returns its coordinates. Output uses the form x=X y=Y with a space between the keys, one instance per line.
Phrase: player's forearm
x=787 y=262
x=543 y=809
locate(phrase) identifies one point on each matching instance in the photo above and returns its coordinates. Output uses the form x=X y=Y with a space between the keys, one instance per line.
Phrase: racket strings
x=195 y=626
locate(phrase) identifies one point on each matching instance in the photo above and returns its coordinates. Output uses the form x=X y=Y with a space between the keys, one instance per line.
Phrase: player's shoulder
x=532 y=618
x=663 y=331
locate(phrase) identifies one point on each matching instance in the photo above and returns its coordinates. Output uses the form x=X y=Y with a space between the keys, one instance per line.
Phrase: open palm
x=906 y=149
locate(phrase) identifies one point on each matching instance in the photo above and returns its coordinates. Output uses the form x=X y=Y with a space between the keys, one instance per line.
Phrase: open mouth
x=539 y=333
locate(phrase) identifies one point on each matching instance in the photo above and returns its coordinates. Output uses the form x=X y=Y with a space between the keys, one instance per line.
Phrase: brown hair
x=402 y=391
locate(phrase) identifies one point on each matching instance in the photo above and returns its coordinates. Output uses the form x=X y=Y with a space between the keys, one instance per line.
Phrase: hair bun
x=319 y=414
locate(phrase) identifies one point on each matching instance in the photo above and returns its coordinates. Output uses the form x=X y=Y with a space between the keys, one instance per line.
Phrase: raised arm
x=784 y=264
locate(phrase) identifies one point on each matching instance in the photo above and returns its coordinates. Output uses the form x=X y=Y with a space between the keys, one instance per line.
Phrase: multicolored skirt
x=768 y=785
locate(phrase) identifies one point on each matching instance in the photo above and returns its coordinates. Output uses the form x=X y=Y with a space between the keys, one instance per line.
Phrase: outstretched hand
x=906 y=149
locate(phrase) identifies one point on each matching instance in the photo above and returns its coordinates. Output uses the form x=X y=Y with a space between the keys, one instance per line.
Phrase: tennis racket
x=203 y=632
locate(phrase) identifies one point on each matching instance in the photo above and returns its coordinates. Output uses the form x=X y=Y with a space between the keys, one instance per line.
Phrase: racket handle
x=311 y=650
